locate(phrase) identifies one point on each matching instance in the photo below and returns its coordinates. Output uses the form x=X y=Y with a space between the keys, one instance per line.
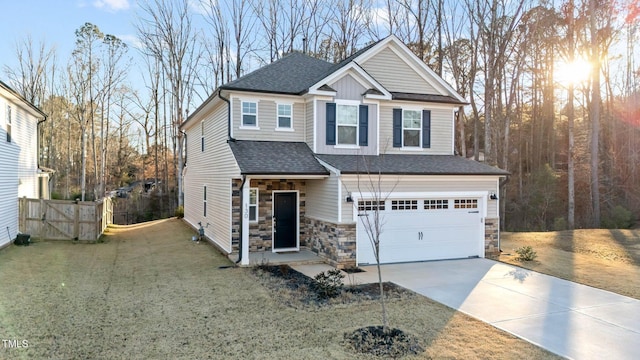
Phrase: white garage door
x=422 y=229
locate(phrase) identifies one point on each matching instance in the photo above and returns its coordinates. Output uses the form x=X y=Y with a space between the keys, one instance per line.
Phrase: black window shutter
x=363 y=127
x=331 y=124
x=397 y=127
x=426 y=128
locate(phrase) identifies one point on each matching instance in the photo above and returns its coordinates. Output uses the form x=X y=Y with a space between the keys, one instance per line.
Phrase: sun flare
x=574 y=72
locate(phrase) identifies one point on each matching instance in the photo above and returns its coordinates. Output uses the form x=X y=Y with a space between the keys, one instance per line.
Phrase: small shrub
x=559 y=224
x=620 y=218
x=526 y=253
x=179 y=213
x=328 y=284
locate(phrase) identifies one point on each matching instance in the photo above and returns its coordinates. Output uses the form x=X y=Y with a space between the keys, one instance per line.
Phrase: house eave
x=284 y=176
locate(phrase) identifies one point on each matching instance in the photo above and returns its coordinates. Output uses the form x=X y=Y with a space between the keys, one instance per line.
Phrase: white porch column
x=245 y=222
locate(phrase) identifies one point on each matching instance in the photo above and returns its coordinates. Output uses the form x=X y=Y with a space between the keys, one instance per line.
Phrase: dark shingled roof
x=275 y=158
x=427 y=97
x=410 y=164
x=293 y=74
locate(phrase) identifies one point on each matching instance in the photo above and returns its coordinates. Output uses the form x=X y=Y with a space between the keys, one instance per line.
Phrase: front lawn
x=149 y=292
x=605 y=259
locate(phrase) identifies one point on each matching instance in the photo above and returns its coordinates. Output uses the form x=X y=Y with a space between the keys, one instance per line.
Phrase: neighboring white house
x=278 y=160
x=19 y=172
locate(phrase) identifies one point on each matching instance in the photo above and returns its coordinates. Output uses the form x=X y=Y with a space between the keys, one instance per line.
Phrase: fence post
x=76 y=221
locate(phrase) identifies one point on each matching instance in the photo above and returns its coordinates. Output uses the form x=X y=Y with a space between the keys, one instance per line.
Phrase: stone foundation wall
x=336 y=243
x=492 y=237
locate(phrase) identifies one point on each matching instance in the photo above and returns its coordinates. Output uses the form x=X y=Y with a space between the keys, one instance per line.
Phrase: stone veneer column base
x=336 y=243
x=492 y=237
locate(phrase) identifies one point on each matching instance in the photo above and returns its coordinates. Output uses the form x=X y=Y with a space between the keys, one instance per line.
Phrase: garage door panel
x=418 y=235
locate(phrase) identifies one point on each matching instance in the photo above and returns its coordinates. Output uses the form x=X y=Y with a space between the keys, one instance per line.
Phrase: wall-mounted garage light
x=493 y=196
x=349 y=199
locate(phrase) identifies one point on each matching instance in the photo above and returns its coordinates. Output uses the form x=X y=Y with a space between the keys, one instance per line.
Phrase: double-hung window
x=202 y=136
x=253 y=204
x=411 y=128
x=249 y=114
x=8 y=123
x=284 y=116
x=347 y=124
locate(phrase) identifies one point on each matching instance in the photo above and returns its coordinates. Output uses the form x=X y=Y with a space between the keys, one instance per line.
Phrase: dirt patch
x=149 y=292
x=606 y=259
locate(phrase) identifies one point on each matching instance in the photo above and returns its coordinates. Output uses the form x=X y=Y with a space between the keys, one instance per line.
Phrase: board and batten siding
x=321 y=133
x=213 y=168
x=441 y=128
x=419 y=183
x=395 y=74
x=348 y=88
x=267 y=120
x=323 y=198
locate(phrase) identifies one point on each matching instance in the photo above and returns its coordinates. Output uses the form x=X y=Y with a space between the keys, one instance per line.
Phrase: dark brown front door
x=285 y=219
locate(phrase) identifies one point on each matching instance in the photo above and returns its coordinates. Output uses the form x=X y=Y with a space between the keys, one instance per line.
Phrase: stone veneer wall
x=492 y=237
x=260 y=232
x=336 y=243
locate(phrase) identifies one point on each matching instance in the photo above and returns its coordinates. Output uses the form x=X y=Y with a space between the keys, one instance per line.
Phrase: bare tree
x=168 y=35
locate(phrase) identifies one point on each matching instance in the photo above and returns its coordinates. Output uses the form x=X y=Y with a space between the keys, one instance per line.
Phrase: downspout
x=244 y=179
x=229 y=138
x=184 y=165
x=38 y=159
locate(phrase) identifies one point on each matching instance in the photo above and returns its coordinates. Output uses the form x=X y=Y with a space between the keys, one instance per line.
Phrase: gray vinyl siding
x=309 y=124
x=213 y=168
x=348 y=88
x=267 y=121
x=323 y=148
x=441 y=129
x=420 y=183
x=395 y=75
x=322 y=199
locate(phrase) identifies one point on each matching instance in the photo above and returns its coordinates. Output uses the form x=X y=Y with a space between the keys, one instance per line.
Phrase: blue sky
x=55 y=22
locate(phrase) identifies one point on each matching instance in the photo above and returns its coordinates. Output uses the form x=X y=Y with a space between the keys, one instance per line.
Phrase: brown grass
x=148 y=292
x=605 y=259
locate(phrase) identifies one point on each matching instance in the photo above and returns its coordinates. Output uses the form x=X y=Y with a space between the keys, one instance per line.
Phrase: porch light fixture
x=349 y=199
x=493 y=196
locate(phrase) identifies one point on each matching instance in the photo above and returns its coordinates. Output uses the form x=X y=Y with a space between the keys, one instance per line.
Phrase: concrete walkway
x=569 y=319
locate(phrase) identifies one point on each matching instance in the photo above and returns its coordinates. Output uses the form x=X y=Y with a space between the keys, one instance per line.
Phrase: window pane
x=411 y=119
x=252 y=213
x=249 y=107
x=284 y=110
x=249 y=120
x=253 y=196
x=347 y=114
x=411 y=137
x=347 y=135
x=284 y=122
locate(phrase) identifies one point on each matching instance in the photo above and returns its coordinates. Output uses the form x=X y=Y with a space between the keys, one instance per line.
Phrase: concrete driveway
x=569 y=319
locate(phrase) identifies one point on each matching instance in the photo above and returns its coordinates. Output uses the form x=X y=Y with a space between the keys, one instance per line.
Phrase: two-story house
x=299 y=152
x=20 y=175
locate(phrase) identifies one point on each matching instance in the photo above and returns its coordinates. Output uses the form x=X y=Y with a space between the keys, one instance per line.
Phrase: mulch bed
x=371 y=340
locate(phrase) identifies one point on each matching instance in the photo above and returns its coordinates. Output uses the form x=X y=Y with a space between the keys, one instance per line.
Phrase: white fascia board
x=286 y=176
x=323 y=92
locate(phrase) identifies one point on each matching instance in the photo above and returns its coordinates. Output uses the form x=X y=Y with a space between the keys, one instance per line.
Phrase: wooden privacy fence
x=64 y=219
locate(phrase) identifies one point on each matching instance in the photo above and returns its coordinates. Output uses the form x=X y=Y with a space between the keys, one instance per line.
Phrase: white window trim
x=202 y=136
x=242 y=113
x=357 y=105
x=256 y=205
x=204 y=201
x=412 y=148
x=278 y=128
x=9 y=123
